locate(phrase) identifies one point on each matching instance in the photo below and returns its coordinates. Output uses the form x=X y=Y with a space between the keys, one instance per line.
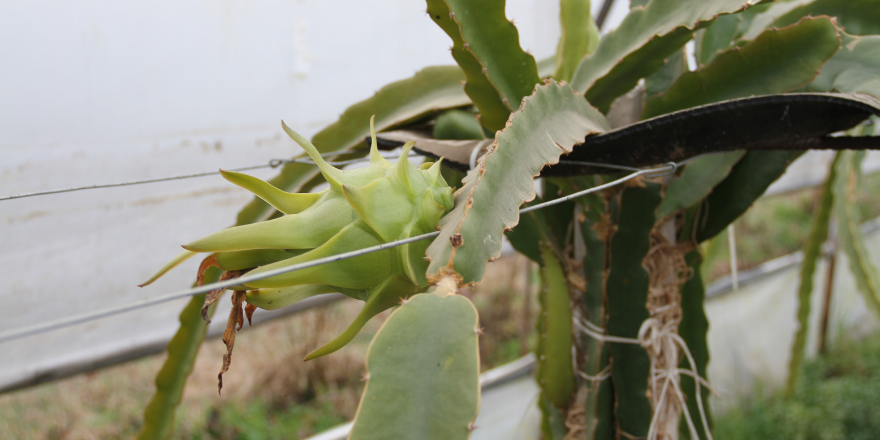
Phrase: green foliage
x=747 y=181
x=639 y=45
x=812 y=252
x=274 y=298
x=550 y=123
x=849 y=233
x=423 y=371
x=493 y=112
x=457 y=124
x=836 y=398
x=259 y=421
x=176 y=261
x=363 y=207
x=697 y=181
x=431 y=89
x=660 y=80
x=598 y=405
x=579 y=36
x=777 y=61
x=494 y=42
x=853 y=69
x=693 y=329
x=422 y=365
x=627 y=294
x=720 y=36
x=857 y=17
x=553 y=421
x=555 y=374
x=528 y=234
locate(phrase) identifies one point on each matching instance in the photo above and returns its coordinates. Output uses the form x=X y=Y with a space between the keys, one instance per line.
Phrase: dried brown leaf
x=210 y=261
x=249 y=312
x=212 y=296
x=236 y=318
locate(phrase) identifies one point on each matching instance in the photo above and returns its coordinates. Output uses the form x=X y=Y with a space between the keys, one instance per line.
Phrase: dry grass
x=268 y=386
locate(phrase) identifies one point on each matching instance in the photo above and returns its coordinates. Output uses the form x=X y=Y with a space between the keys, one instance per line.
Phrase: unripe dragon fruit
x=362 y=207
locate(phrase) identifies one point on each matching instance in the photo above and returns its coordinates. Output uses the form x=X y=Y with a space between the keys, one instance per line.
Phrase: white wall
x=98 y=91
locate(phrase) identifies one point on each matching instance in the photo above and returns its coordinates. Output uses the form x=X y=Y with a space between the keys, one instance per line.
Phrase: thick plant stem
x=693 y=329
x=593 y=356
x=627 y=291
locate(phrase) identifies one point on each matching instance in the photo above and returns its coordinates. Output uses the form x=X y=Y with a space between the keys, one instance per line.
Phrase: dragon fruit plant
x=611 y=262
x=362 y=207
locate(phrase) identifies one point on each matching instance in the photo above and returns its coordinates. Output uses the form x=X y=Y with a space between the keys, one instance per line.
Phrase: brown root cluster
x=667 y=272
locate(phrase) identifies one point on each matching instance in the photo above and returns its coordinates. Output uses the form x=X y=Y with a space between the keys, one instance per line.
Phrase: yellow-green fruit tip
x=330 y=173
x=407 y=147
x=375 y=157
x=403 y=165
x=180 y=258
x=433 y=172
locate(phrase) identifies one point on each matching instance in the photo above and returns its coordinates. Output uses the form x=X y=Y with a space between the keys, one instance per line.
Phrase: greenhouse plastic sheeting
x=751 y=330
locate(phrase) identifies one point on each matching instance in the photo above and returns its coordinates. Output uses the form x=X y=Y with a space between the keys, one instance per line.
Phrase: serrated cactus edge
x=548 y=124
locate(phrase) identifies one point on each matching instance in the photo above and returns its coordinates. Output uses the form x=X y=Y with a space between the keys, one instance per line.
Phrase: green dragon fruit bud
x=362 y=207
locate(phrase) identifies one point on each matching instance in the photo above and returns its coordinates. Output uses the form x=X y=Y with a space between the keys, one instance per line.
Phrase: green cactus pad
x=555 y=373
x=423 y=371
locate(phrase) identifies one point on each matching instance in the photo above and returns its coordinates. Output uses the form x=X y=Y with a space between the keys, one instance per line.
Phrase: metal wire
x=669 y=168
x=598 y=165
x=53 y=325
x=274 y=163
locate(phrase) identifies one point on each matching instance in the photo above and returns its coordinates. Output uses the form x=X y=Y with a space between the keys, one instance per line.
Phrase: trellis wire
x=666 y=169
x=41 y=328
x=274 y=163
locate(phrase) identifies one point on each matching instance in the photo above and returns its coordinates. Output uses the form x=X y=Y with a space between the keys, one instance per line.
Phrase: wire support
x=664 y=170
x=91 y=316
x=598 y=165
x=274 y=163
x=67 y=322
